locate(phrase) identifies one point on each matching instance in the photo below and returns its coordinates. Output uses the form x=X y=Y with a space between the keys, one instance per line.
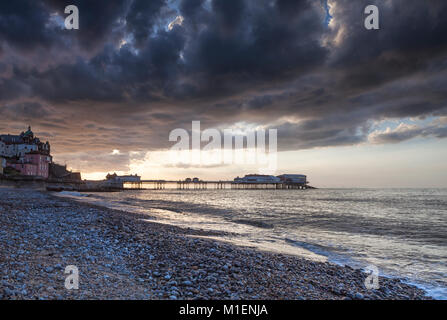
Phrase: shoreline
x=121 y=255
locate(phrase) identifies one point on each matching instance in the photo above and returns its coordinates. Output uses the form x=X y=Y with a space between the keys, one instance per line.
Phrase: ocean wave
x=254 y=223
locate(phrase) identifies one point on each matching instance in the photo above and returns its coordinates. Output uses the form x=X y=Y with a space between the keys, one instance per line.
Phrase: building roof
x=11 y=139
x=260 y=176
x=29 y=132
x=27 y=136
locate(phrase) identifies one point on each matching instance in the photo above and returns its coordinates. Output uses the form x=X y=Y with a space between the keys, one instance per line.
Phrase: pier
x=219 y=185
x=115 y=183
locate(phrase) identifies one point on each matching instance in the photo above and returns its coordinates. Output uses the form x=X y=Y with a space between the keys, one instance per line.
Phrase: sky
x=352 y=107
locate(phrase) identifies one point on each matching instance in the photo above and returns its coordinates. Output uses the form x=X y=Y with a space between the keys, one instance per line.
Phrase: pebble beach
x=123 y=255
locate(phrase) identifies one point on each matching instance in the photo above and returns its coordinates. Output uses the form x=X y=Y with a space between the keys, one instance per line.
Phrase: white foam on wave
x=438 y=293
x=73 y=194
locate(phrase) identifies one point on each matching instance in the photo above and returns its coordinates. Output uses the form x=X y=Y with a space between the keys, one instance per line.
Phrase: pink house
x=25 y=169
x=33 y=164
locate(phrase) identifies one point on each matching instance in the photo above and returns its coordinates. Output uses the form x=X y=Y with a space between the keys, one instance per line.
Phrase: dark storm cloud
x=23 y=24
x=99 y=21
x=128 y=76
x=232 y=50
x=29 y=24
x=244 y=44
x=411 y=37
x=141 y=18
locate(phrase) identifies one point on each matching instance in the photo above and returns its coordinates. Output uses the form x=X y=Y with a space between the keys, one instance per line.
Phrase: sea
x=400 y=232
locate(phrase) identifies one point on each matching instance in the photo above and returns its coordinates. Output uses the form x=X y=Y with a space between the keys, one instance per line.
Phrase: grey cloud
x=24 y=110
x=262 y=62
x=408 y=132
x=309 y=134
x=97 y=162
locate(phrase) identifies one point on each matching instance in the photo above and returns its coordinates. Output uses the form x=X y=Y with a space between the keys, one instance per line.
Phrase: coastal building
x=126 y=178
x=32 y=164
x=13 y=146
x=60 y=172
x=26 y=154
x=2 y=164
x=2 y=148
x=19 y=145
x=293 y=178
x=257 y=178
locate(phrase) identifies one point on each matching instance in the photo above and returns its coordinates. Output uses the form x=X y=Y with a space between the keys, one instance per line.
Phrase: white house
x=257 y=178
x=122 y=179
x=19 y=145
x=19 y=150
